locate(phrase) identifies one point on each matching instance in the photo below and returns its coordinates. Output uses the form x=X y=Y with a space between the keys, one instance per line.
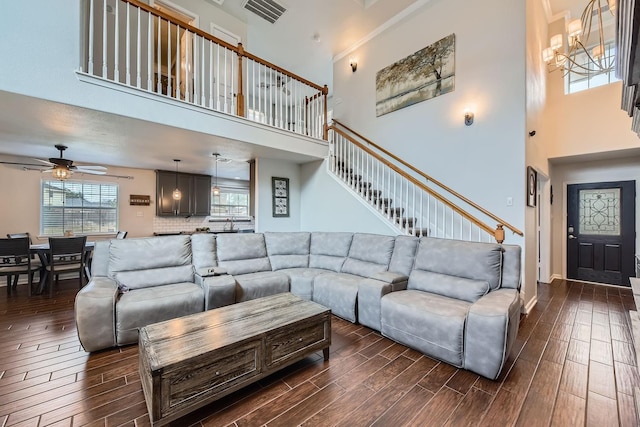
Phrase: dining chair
x=15 y=260
x=121 y=234
x=66 y=255
x=36 y=264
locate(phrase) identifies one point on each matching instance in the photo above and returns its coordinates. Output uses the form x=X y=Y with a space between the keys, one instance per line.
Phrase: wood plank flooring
x=573 y=364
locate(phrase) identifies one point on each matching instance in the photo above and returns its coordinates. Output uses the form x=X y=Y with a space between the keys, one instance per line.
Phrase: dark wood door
x=601 y=232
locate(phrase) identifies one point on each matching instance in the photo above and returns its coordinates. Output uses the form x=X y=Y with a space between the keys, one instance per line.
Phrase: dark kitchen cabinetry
x=196 y=194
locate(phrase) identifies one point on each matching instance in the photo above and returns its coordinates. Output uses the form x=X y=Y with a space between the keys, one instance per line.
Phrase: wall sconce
x=353 y=63
x=468 y=118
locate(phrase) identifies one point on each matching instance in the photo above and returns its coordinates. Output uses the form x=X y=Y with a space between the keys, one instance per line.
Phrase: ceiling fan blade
x=91 y=167
x=46 y=162
x=22 y=164
x=91 y=171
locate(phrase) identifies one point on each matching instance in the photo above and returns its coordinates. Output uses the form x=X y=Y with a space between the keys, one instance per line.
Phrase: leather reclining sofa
x=452 y=300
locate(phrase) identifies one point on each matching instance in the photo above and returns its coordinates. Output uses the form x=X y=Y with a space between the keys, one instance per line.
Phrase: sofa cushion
x=431 y=324
x=328 y=251
x=469 y=260
x=301 y=280
x=203 y=246
x=151 y=305
x=404 y=254
x=339 y=292
x=100 y=259
x=288 y=250
x=129 y=280
x=449 y=286
x=261 y=284
x=368 y=254
x=149 y=253
x=242 y=253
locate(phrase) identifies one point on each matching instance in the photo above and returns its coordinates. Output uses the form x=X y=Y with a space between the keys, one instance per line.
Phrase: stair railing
x=410 y=204
x=134 y=44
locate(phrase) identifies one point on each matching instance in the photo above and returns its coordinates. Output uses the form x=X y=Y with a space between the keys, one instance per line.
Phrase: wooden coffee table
x=191 y=361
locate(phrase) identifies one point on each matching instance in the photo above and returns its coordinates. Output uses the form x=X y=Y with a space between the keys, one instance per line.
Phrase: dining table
x=42 y=250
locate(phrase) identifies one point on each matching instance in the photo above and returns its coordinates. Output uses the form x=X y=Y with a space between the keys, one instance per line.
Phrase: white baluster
x=128 y=47
x=138 y=44
x=116 y=43
x=178 y=64
x=91 y=30
x=211 y=77
x=105 y=36
x=150 y=51
x=169 y=75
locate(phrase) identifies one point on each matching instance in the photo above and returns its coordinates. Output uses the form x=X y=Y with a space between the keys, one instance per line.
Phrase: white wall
x=622 y=169
x=535 y=146
x=328 y=206
x=485 y=161
x=265 y=170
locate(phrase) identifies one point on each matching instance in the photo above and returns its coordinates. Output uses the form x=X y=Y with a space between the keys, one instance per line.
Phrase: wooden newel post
x=499 y=233
x=325 y=133
x=240 y=103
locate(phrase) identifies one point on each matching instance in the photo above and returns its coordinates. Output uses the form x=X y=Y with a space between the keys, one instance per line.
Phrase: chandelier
x=582 y=33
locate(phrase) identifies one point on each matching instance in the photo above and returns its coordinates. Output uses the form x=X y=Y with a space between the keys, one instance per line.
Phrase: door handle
x=571 y=237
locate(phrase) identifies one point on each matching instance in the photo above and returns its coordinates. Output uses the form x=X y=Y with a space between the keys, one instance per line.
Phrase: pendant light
x=216 y=189
x=177 y=194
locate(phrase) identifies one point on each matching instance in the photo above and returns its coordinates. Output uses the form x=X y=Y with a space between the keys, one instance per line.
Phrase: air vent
x=268 y=10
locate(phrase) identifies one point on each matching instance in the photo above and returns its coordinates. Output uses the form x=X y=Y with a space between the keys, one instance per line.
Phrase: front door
x=601 y=232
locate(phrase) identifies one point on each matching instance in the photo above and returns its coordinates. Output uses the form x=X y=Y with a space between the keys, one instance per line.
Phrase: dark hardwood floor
x=573 y=364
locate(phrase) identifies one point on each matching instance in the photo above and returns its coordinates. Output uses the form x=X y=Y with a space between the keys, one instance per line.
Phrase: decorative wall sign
x=280 y=190
x=139 y=200
x=532 y=186
x=428 y=73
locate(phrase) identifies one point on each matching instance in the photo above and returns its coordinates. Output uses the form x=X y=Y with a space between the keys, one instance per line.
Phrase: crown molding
x=394 y=20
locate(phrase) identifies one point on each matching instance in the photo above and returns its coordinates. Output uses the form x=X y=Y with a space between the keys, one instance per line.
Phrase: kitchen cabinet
x=196 y=194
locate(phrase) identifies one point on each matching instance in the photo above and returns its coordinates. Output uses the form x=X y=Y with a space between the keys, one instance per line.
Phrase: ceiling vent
x=268 y=10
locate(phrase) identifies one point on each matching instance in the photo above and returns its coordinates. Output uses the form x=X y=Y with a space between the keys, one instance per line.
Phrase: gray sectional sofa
x=453 y=300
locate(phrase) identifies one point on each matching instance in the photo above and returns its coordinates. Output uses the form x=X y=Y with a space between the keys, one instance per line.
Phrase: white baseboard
x=554 y=277
x=527 y=309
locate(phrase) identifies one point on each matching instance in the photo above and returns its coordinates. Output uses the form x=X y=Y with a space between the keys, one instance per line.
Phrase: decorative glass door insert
x=599 y=212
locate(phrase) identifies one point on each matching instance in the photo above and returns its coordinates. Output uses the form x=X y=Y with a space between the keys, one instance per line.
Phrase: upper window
x=576 y=83
x=80 y=207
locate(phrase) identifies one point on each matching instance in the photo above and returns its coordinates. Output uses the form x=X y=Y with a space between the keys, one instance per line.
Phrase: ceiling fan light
x=61 y=173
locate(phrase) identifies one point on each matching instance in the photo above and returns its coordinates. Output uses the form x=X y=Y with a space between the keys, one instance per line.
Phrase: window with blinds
x=81 y=207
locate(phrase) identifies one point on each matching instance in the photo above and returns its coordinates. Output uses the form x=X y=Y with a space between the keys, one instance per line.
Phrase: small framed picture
x=532 y=186
x=280 y=191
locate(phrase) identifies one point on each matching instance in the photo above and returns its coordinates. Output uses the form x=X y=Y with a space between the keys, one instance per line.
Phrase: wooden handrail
x=236 y=49
x=417 y=183
x=429 y=178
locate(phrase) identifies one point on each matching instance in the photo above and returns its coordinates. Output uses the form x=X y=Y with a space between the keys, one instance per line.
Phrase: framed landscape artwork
x=428 y=73
x=280 y=190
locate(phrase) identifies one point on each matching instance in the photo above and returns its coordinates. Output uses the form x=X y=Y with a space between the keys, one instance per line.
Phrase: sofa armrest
x=211 y=271
x=95 y=314
x=219 y=291
x=371 y=291
x=396 y=280
x=492 y=326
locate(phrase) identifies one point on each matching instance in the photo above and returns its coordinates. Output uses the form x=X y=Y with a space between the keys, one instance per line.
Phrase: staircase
x=411 y=201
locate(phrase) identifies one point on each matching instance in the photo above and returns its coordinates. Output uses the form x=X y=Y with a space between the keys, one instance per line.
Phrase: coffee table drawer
x=201 y=379
x=288 y=343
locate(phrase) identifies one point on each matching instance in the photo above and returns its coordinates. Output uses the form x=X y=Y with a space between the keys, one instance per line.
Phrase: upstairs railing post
x=240 y=105
x=325 y=131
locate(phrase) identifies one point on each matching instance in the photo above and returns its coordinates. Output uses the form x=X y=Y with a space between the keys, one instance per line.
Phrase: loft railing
x=131 y=43
x=399 y=194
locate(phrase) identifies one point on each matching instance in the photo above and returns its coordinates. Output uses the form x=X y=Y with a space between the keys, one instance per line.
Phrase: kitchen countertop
x=177 y=233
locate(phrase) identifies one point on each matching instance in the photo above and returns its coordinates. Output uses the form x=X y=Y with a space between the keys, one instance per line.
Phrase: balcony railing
x=131 y=43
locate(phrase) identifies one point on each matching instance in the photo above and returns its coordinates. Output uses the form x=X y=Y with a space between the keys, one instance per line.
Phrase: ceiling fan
x=62 y=168
x=279 y=83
